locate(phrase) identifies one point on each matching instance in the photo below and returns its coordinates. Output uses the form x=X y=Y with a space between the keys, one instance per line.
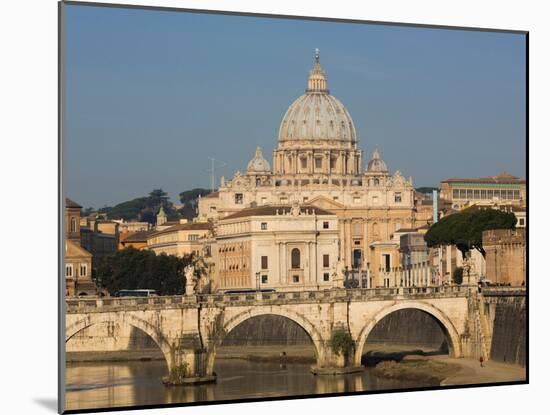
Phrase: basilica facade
x=318 y=164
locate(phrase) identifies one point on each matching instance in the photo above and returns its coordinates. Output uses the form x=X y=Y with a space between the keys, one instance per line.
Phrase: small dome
x=376 y=164
x=317 y=115
x=258 y=164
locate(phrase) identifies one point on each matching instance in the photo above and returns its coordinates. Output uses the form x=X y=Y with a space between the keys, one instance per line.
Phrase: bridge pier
x=188 y=366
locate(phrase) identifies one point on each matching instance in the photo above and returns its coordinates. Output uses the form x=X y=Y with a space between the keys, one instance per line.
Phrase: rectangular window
x=462 y=193
x=476 y=194
x=325 y=225
x=510 y=194
x=397 y=197
x=192 y=237
x=306 y=199
x=325 y=261
x=264 y=200
x=326 y=276
x=455 y=193
x=264 y=279
x=521 y=222
x=356 y=200
x=295 y=278
x=264 y=226
x=238 y=198
x=318 y=162
x=484 y=194
x=304 y=162
x=69 y=271
x=335 y=198
x=469 y=194
x=489 y=194
x=516 y=194
x=283 y=200
x=332 y=163
x=212 y=208
x=264 y=262
x=387 y=262
x=83 y=270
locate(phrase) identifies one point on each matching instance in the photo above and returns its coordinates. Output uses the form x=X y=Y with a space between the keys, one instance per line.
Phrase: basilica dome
x=258 y=164
x=317 y=115
x=376 y=164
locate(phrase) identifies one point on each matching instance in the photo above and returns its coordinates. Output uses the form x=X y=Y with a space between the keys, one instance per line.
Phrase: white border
x=28 y=104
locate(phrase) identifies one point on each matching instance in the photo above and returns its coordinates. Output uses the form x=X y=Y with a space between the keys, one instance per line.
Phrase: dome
x=317 y=115
x=258 y=164
x=376 y=164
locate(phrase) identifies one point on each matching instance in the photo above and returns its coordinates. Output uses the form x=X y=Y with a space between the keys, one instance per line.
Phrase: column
x=342 y=253
x=349 y=243
x=315 y=265
x=365 y=244
x=360 y=171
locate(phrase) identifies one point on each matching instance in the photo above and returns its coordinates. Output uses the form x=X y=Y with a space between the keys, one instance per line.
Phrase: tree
x=191 y=196
x=464 y=229
x=158 y=197
x=458 y=275
x=131 y=269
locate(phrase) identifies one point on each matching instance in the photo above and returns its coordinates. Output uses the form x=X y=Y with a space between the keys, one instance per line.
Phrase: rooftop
x=190 y=226
x=272 y=210
x=71 y=203
x=502 y=178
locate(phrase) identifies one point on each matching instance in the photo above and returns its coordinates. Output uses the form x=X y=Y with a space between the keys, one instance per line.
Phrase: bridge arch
x=297 y=318
x=453 y=339
x=147 y=328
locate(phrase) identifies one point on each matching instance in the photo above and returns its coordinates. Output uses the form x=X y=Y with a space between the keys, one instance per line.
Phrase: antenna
x=212 y=171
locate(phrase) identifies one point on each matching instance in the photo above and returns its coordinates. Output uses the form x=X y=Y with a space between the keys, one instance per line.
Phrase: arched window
x=376 y=182
x=295 y=258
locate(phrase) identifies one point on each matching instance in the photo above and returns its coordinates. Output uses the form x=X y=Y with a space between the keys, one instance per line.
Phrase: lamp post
x=257 y=281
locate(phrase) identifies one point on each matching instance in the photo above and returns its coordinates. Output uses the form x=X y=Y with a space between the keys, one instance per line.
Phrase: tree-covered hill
x=146 y=208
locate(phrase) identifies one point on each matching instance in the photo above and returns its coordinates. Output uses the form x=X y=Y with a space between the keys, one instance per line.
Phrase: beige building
x=182 y=239
x=317 y=162
x=501 y=190
x=78 y=261
x=505 y=256
x=277 y=247
x=99 y=236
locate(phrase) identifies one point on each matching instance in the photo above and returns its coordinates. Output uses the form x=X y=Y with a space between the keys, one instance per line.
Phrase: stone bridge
x=189 y=329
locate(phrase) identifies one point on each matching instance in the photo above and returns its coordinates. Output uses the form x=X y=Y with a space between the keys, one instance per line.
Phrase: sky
x=151 y=95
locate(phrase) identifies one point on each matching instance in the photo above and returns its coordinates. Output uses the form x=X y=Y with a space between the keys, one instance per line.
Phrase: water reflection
x=100 y=385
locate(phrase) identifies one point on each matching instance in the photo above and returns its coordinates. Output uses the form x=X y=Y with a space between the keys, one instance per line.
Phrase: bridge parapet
x=503 y=291
x=79 y=305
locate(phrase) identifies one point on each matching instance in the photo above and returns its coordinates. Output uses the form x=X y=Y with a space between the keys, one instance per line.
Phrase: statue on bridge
x=338 y=274
x=190 y=279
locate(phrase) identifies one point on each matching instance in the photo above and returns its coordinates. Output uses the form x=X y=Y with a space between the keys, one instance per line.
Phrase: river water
x=111 y=384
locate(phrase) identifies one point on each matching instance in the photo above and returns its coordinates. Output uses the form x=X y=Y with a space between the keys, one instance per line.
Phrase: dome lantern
x=317 y=81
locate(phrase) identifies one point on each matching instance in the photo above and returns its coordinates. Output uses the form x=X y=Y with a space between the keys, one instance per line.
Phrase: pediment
x=325 y=203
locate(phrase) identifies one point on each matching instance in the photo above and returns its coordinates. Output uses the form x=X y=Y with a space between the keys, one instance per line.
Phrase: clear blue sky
x=150 y=95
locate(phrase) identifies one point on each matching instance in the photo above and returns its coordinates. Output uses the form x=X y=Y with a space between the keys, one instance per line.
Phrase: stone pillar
x=315 y=264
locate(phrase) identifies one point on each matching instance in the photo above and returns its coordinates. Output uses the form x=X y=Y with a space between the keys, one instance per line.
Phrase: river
x=112 y=384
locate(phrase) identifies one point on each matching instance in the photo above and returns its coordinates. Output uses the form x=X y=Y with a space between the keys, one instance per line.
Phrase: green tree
x=158 y=197
x=191 y=196
x=342 y=343
x=464 y=229
x=458 y=275
x=133 y=269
